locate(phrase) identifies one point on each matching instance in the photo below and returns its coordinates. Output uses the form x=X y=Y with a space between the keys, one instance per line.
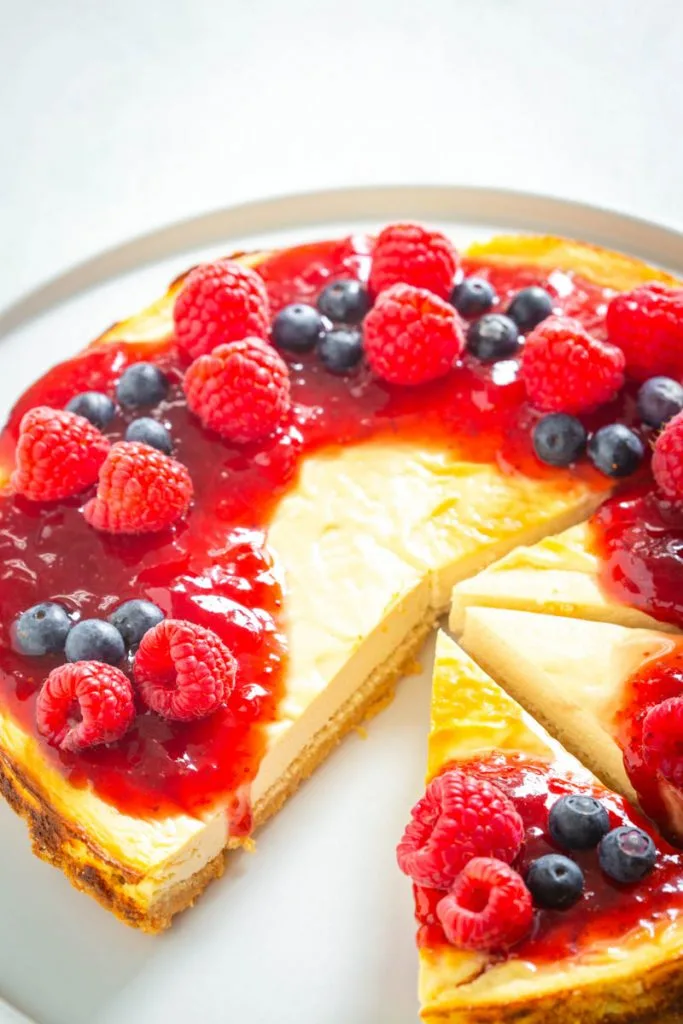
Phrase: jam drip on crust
x=608 y=911
x=213 y=568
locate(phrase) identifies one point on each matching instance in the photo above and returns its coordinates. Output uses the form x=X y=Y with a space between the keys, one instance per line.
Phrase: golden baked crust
x=116 y=878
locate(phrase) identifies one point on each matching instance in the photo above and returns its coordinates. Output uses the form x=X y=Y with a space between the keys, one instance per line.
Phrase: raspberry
x=564 y=369
x=458 y=818
x=412 y=336
x=59 y=454
x=219 y=302
x=489 y=907
x=647 y=325
x=183 y=671
x=240 y=390
x=84 y=704
x=140 y=490
x=410 y=254
x=663 y=734
x=667 y=459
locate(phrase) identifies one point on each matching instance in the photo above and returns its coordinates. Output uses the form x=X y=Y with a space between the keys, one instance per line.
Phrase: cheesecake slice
x=616 y=954
x=591 y=684
x=361 y=545
x=559 y=575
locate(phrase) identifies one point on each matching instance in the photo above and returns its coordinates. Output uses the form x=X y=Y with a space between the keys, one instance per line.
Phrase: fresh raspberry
x=457 y=819
x=667 y=459
x=412 y=336
x=663 y=729
x=219 y=302
x=84 y=704
x=410 y=254
x=647 y=325
x=58 y=454
x=564 y=369
x=241 y=390
x=183 y=671
x=140 y=490
x=489 y=907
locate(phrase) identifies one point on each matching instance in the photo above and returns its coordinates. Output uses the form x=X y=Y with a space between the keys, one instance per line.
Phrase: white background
x=119 y=117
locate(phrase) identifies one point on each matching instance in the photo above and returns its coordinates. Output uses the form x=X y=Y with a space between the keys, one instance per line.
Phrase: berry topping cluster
x=466 y=837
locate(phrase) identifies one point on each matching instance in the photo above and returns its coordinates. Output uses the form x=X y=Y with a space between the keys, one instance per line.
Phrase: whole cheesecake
x=227 y=526
x=580 y=944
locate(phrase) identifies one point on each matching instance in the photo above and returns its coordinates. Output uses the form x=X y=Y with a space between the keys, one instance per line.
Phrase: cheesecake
x=592 y=684
x=611 y=951
x=314 y=559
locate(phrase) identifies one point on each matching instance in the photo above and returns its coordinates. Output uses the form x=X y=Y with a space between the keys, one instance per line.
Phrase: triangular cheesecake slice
x=559 y=575
x=615 y=954
x=593 y=684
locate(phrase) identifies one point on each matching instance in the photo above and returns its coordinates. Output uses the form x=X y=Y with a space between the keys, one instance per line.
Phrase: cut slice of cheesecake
x=559 y=575
x=370 y=540
x=616 y=955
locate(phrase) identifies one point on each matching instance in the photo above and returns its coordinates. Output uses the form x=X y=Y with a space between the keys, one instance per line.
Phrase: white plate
x=315 y=927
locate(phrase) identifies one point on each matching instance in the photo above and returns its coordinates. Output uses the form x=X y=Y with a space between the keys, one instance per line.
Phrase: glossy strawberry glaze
x=639 y=538
x=214 y=568
x=608 y=911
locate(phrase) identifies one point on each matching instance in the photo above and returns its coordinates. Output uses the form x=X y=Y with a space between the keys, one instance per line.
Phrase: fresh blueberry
x=555 y=881
x=627 y=854
x=615 y=450
x=473 y=296
x=298 y=328
x=95 y=406
x=659 y=398
x=95 y=640
x=42 y=629
x=341 y=350
x=134 y=618
x=345 y=301
x=150 y=432
x=492 y=337
x=141 y=384
x=578 y=821
x=529 y=307
x=559 y=439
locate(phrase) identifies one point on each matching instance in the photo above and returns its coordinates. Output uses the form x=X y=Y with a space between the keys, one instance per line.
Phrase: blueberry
x=141 y=384
x=529 y=307
x=559 y=439
x=134 y=618
x=473 y=296
x=341 y=350
x=659 y=398
x=615 y=450
x=555 y=881
x=95 y=406
x=42 y=629
x=95 y=640
x=345 y=301
x=578 y=821
x=150 y=432
x=627 y=854
x=492 y=337
x=298 y=328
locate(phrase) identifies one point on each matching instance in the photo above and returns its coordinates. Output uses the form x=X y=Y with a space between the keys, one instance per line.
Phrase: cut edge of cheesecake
x=559 y=575
x=642 y=981
x=151 y=880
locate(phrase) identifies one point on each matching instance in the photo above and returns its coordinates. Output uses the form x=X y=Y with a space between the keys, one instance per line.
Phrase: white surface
x=118 y=117
x=316 y=927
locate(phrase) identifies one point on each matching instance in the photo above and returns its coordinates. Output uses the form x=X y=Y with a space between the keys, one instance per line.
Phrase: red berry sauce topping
x=608 y=910
x=208 y=564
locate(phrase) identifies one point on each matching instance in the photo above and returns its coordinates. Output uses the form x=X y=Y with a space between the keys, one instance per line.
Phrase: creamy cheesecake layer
x=559 y=575
x=570 y=673
x=472 y=716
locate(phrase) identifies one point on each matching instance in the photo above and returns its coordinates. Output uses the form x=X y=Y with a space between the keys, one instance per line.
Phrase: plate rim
x=525 y=211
